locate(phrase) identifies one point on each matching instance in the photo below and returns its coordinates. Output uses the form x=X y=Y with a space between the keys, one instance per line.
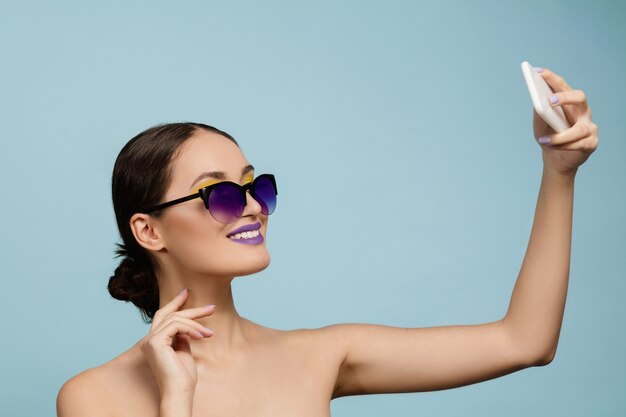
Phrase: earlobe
x=145 y=232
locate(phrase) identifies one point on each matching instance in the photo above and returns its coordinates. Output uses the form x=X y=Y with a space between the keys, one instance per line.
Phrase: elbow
x=547 y=355
x=531 y=354
x=540 y=357
x=543 y=360
x=547 y=359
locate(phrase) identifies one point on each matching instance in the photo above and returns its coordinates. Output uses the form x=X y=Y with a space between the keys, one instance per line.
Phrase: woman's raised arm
x=386 y=359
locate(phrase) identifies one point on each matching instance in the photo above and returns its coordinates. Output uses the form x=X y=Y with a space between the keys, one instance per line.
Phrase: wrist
x=176 y=405
x=565 y=175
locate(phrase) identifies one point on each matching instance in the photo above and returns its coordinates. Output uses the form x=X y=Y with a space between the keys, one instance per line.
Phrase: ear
x=145 y=230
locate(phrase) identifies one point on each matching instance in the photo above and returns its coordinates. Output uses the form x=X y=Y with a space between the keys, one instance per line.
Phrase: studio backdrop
x=400 y=134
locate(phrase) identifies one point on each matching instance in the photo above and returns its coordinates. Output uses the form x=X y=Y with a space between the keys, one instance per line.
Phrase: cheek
x=196 y=240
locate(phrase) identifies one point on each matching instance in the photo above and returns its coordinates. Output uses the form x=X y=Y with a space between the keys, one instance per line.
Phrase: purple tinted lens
x=265 y=194
x=226 y=203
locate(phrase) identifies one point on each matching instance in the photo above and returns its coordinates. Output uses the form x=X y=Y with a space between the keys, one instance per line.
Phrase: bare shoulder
x=85 y=394
x=323 y=351
x=329 y=339
x=98 y=391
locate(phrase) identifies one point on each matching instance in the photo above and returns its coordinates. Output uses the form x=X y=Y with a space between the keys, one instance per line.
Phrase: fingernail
x=209 y=330
x=209 y=306
x=538 y=69
x=182 y=291
x=543 y=140
x=553 y=99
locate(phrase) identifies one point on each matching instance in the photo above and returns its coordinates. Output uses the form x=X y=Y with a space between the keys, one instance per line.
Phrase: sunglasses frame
x=203 y=193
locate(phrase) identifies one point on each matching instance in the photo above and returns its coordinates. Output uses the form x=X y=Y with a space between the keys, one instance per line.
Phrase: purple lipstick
x=247 y=228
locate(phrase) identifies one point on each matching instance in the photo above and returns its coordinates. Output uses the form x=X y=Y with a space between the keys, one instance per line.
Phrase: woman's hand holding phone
x=564 y=152
x=167 y=350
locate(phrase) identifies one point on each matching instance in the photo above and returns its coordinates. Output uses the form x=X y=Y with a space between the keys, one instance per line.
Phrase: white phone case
x=539 y=91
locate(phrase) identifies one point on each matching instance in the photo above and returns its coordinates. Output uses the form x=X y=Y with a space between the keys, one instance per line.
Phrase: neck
x=228 y=326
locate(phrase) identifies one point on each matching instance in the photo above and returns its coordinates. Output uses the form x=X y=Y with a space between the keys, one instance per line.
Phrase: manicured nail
x=553 y=99
x=538 y=69
x=209 y=306
x=543 y=140
x=182 y=291
x=209 y=330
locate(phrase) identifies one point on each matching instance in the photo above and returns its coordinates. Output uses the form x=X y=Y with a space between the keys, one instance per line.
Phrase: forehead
x=207 y=151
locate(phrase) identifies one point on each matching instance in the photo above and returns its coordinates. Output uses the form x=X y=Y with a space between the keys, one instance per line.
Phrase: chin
x=252 y=268
x=228 y=263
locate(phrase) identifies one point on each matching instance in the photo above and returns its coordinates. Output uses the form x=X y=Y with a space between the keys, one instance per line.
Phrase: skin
x=245 y=368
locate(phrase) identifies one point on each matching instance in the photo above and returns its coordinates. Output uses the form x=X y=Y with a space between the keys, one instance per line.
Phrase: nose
x=252 y=206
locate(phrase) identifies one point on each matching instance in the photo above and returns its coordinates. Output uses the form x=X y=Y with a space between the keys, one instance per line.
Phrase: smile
x=245 y=235
x=252 y=237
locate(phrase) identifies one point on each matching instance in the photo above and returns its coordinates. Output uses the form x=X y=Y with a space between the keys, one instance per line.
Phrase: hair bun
x=135 y=282
x=123 y=283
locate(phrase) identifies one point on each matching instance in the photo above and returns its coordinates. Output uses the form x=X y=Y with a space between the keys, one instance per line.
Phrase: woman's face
x=193 y=239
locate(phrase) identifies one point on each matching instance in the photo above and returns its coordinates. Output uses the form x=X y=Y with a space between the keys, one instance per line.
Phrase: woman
x=201 y=358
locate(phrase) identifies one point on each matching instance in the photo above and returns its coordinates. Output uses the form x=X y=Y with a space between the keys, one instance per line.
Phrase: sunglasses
x=226 y=200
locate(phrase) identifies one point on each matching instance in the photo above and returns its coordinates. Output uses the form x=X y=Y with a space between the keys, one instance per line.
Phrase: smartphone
x=539 y=91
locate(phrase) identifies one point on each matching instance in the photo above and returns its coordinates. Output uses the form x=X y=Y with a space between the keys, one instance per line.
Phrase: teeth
x=245 y=235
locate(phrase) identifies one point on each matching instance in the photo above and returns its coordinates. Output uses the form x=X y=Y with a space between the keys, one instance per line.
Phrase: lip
x=246 y=228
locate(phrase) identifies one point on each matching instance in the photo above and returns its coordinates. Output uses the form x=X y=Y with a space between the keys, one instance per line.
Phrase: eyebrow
x=220 y=175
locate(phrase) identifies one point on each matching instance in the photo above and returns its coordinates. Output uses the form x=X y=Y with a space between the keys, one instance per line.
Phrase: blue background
x=401 y=137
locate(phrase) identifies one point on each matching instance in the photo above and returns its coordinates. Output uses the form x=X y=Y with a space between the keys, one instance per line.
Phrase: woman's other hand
x=569 y=149
x=166 y=346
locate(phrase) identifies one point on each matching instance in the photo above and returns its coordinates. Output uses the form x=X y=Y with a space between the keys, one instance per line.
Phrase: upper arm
x=386 y=359
x=80 y=396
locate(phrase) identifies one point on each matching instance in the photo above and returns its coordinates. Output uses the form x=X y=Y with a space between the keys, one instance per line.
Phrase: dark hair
x=141 y=176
